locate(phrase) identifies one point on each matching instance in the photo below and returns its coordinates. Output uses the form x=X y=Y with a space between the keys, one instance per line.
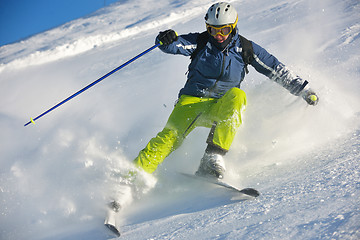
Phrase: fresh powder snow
x=56 y=176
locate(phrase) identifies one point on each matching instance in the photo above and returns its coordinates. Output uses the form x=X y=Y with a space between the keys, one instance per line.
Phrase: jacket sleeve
x=185 y=45
x=270 y=66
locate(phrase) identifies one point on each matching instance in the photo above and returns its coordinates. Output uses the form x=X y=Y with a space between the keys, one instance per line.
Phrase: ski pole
x=32 y=120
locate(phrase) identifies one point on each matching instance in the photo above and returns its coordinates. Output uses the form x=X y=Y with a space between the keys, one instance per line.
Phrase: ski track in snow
x=57 y=175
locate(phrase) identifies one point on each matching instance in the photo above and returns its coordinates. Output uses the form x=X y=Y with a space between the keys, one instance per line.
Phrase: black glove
x=167 y=37
x=310 y=97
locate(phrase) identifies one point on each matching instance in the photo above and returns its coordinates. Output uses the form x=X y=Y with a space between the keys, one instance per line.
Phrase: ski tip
x=113 y=229
x=251 y=192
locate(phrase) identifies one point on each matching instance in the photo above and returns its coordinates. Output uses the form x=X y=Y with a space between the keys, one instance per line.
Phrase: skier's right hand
x=167 y=37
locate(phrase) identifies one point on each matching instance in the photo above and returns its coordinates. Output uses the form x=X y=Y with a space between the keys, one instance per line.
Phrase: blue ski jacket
x=213 y=71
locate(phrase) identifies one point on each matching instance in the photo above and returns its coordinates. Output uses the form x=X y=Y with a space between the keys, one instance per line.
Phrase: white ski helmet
x=221 y=13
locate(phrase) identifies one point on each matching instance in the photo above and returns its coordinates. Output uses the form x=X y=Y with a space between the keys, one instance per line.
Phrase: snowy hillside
x=57 y=175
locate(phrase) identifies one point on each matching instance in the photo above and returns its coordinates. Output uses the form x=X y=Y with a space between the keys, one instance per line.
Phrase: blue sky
x=22 y=18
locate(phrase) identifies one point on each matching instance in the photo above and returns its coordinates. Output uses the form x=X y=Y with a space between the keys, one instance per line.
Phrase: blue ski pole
x=32 y=120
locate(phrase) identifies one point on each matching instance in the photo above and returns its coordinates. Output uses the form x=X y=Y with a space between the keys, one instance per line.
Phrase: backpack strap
x=201 y=42
x=247 y=52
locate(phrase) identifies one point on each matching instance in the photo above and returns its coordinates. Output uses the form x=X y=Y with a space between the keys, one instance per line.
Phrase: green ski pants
x=222 y=115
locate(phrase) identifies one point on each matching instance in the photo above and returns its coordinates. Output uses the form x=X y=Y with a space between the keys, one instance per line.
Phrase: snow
x=56 y=176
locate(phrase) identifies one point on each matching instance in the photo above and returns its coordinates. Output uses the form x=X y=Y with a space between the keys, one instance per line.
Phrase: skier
x=212 y=96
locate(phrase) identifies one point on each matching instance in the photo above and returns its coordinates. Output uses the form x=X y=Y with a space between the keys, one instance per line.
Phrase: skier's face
x=220 y=39
x=220 y=33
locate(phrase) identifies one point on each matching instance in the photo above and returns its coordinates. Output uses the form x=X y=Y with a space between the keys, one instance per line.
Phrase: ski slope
x=57 y=175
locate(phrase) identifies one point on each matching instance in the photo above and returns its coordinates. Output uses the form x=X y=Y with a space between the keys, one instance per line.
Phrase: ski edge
x=252 y=192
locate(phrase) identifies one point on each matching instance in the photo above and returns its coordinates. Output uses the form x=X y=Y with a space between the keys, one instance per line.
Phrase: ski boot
x=212 y=164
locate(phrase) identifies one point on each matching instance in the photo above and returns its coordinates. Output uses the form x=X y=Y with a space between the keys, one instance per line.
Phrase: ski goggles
x=224 y=30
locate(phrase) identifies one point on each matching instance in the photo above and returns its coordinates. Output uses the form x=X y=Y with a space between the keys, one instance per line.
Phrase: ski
x=113 y=208
x=113 y=229
x=251 y=192
x=110 y=220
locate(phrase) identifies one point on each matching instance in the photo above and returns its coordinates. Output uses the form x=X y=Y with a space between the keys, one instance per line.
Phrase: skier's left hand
x=310 y=97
